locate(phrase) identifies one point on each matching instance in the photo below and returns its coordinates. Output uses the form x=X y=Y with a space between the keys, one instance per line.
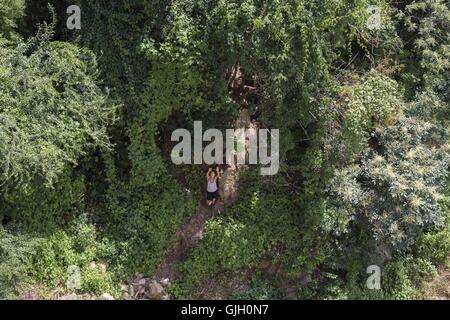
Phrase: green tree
x=52 y=110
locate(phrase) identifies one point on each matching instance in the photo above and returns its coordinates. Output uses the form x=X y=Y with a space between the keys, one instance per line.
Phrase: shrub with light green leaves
x=374 y=102
x=80 y=247
x=10 y=12
x=15 y=251
x=51 y=110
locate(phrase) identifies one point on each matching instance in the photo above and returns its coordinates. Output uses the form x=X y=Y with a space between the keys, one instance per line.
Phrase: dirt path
x=191 y=232
x=186 y=239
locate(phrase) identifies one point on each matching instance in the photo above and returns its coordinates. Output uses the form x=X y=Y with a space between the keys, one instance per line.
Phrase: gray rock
x=107 y=296
x=138 y=276
x=71 y=296
x=165 y=282
x=103 y=266
x=155 y=291
x=136 y=288
x=126 y=296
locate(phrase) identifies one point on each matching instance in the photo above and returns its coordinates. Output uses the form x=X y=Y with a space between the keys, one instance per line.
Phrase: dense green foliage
x=86 y=177
x=52 y=110
x=10 y=12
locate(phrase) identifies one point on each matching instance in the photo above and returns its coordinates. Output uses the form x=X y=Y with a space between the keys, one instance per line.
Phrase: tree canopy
x=86 y=118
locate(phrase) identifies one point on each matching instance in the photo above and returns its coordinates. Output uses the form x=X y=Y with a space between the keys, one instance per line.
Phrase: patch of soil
x=439 y=287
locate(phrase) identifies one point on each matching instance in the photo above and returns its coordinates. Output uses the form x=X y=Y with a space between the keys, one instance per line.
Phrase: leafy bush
x=435 y=247
x=10 y=11
x=79 y=247
x=225 y=248
x=51 y=111
x=15 y=250
x=397 y=186
x=259 y=290
x=398 y=282
x=375 y=102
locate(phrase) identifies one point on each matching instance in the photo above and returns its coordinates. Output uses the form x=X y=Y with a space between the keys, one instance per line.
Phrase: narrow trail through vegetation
x=191 y=232
x=186 y=239
x=189 y=235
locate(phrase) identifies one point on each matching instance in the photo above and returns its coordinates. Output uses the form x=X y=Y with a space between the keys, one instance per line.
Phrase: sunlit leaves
x=51 y=110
